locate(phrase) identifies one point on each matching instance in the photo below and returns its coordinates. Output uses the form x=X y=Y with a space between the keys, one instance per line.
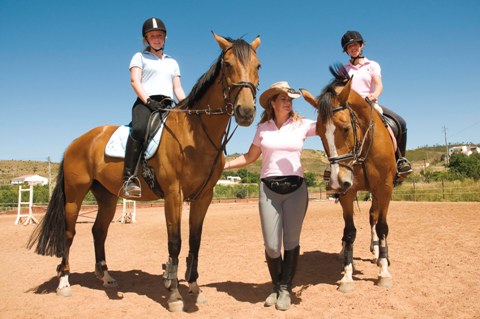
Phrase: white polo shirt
x=157 y=74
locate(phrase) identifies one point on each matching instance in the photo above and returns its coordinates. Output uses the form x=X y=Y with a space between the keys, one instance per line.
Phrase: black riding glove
x=154 y=105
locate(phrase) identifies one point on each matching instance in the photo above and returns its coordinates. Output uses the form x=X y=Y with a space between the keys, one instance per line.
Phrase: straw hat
x=276 y=88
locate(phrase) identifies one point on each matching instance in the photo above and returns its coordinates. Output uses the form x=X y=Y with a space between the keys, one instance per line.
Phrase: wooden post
x=30 y=219
x=128 y=216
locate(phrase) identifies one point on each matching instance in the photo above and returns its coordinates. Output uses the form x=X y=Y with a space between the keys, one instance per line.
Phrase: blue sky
x=64 y=64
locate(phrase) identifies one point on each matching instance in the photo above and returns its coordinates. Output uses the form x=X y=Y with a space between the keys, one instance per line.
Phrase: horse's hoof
x=385 y=282
x=64 y=292
x=175 y=306
x=200 y=298
x=346 y=287
x=196 y=293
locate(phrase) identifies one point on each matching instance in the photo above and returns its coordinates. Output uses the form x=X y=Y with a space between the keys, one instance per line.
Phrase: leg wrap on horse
x=383 y=254
x=170 y=269
x=191 y=274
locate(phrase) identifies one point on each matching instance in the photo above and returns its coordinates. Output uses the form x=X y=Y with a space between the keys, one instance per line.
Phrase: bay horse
x=361 y=156
x=187 y=165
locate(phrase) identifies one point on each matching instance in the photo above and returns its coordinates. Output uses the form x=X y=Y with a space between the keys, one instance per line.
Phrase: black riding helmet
x=350 y=37
x=153 y=24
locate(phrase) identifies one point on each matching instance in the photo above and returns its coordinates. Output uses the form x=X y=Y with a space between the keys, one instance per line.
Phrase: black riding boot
x=289 y=267
x=404 y=167
x=131 y=187
x=275 y=270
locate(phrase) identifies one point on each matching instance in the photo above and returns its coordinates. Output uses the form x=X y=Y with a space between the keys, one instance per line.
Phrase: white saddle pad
x=117 y=144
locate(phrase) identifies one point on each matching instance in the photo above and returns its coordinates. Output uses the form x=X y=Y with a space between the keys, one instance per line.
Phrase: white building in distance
x=30 y=180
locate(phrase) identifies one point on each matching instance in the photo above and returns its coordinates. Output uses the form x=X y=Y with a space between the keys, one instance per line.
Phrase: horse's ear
x=343 y=95
x=255 y=43
x=222 y=42
x=309 y=98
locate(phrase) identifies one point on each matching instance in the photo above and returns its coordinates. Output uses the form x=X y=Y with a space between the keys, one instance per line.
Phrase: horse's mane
x=240 y=48
x=327 y=95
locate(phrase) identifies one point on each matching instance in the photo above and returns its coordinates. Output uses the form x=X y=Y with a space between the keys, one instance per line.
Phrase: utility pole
x=49 y=179
x=446 y=145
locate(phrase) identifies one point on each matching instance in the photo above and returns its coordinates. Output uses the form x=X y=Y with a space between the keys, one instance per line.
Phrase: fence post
x=443 y=189
x=414 y=192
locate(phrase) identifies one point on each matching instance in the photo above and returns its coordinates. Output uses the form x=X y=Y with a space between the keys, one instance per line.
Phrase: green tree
x=468 y=166
x=310 y=179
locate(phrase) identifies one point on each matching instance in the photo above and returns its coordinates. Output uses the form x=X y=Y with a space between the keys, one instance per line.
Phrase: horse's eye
x=346 y=129
x=227 y=65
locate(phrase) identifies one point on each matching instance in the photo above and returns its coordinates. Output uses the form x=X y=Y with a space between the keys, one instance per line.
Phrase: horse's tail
x=50 y=233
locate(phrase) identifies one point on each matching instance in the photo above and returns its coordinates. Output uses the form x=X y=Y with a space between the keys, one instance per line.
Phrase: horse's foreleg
x=384 y=276
x=107 y=204
x=349 y=235
x=198 y=211
x=374 y=242
x=173 y=216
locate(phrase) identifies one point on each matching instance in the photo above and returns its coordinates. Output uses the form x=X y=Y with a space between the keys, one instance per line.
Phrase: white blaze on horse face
x=330 y=137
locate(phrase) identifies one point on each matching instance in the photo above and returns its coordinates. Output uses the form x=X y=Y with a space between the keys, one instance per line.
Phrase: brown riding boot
x=131 y=186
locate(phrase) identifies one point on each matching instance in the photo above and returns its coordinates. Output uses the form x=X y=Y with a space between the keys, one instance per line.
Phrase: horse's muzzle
x=244 y=115
x=341 y=179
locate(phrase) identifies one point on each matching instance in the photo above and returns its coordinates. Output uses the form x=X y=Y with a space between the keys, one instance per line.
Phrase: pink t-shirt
x=363 y=76
x=281 y=148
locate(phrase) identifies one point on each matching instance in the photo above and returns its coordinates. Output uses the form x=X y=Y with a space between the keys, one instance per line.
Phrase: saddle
x=394 y=128
x=156 y=121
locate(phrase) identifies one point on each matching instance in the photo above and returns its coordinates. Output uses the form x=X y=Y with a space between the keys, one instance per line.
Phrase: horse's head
x=239 y=76
x=337 y=127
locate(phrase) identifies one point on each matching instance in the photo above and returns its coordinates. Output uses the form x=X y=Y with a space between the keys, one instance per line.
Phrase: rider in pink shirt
x=367 y=81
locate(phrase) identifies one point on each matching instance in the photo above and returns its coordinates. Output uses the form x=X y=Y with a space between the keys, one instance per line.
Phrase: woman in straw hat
x=283 y=196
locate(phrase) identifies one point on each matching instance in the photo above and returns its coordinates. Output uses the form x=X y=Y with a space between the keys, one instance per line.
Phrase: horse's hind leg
x=107 y=204
x=73 y=200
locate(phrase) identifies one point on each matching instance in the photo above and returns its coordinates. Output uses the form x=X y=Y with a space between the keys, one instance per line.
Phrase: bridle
x=229 y=110
x=355 y=156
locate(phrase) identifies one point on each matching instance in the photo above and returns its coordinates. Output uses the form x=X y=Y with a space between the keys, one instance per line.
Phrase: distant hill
x=313 y=161
x=11 y=168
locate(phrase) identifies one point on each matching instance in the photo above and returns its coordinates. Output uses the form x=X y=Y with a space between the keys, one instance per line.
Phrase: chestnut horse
x=187 y=165
x=361 y=155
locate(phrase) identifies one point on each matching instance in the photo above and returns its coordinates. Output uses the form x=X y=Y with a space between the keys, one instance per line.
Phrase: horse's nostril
x=346 y=185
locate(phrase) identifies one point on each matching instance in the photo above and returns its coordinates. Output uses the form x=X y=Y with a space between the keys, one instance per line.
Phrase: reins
x=355 y=156
x=227 y=110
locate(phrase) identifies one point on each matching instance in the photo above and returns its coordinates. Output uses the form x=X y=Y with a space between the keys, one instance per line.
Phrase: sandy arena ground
x=434 y=254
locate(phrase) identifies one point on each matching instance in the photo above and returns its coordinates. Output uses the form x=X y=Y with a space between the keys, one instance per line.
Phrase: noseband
x=228 y=88
x=355 y=155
